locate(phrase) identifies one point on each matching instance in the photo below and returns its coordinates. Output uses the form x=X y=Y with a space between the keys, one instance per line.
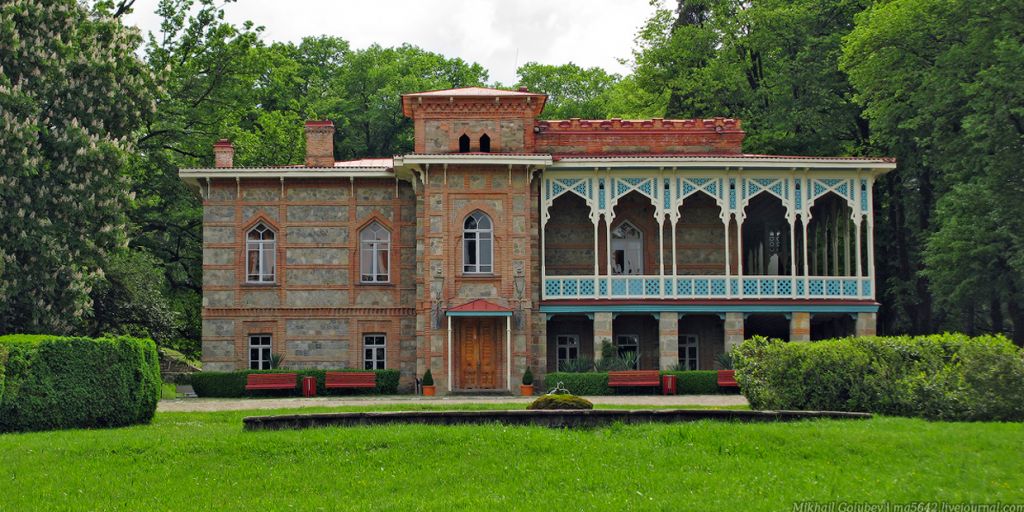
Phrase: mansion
x=505 y=242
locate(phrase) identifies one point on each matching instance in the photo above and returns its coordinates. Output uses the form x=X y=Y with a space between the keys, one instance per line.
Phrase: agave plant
x=724 y=360
x=275 y=361
x=579 y=365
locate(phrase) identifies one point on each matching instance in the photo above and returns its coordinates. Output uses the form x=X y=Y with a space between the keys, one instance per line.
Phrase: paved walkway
x=238 y=404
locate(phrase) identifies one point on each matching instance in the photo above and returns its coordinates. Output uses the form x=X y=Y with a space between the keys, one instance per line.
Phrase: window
x=375 y=254
x=688 y=352
x=485 y=144
x=628 y=346
x=477 y=244
x=260 y=255
x=568 y=347
x=374 y=350
x=464 y=143
x=259 y=351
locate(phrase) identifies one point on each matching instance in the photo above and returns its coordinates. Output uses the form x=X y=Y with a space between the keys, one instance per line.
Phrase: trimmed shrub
x=54 y=382
x=232 y=384
x=428 y=378
x=560 y=402
x=690 y=382
x=3 y=371
x=696 y=382
x=527 y=377
x=589 y=383
x=942 y=377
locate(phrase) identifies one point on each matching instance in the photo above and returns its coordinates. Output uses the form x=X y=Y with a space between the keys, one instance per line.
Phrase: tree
x=572 y=91
x=72 y=92
x=950 y=109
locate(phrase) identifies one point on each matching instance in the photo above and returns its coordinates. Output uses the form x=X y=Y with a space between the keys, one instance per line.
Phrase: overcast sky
x=497 y=34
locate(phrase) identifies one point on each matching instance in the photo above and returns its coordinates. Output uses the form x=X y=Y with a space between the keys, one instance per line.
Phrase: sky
x=497 y=34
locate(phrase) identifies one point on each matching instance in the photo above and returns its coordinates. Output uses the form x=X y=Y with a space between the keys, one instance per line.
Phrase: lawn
x=204 y=461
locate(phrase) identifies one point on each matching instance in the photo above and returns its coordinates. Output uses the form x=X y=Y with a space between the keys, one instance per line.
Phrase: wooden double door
x=478 y=353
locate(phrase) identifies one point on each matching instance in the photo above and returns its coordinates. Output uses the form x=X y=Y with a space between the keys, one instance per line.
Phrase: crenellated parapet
x=655 y=136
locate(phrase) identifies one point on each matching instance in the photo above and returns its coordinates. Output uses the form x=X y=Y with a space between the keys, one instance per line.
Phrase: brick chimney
x=319 y=144
x=223 y=154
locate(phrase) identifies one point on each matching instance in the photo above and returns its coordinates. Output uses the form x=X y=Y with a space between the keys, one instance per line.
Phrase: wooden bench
x=634 y=379
x=356 y=380
x=727 y=379
x=256 y=381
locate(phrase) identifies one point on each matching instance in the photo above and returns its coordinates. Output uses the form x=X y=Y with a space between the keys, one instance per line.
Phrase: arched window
x=485 y=144
x=477 y=244
x=464 y=143
x=261 y=257
x=627 y=249
x=374 y=254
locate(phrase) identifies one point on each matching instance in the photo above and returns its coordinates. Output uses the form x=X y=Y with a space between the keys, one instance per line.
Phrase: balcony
x=706 y=287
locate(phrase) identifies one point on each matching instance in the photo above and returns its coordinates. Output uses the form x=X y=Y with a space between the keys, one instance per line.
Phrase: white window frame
x=478 y=235
x=375 y=351
x=374 y=241
x=263 y=249
x=631 y=340
x=686 y=362
x=571 y=345
x=263 y=344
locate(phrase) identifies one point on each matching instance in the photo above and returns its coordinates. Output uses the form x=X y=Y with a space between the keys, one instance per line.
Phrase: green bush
x=560 y=402
x=696 y=382
x=3 y=365
x=943 y=377
x=701 y=382
x=428 y=378
x=589 y=383
x=232 y=384
x=527 y=377
x=56 y=382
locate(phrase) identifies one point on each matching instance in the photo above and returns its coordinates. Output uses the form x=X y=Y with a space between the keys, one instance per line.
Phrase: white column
x=675 y=255
x=661 y=246
x=739 y=252
x=792 y=256
x=857 y=240
x=596 y=219
x=543 y=223
x=608 y=250
x=728 y=256
x=803 y=226
x=508 y=352
x=846 y=245
x=450 y=356
x=871 y=253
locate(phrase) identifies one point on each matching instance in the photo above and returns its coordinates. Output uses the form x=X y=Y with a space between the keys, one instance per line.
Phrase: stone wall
x=317 y=307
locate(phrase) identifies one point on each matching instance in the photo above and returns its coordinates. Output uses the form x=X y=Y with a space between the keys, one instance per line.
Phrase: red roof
x=480 y=305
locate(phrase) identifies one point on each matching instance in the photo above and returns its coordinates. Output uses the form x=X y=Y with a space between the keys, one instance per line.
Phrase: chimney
x=223 y=154
x=523 y=88
x=319 y=144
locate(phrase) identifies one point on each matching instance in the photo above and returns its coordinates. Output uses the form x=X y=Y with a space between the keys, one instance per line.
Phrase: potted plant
x=526 y=389
x=428 y=384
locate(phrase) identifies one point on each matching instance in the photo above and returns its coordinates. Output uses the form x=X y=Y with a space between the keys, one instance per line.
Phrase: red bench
x=255 y=381
x=634 y=379
x=350 y=380
x=727 y=379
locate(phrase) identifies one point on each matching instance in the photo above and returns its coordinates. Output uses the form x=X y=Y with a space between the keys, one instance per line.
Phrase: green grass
x=204 y=461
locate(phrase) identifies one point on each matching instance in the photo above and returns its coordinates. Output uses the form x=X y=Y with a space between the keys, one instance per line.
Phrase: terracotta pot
x=526 y=389
x=429 y=390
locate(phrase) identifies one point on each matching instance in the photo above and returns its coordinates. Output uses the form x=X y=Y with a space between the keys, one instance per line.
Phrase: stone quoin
x=505 y=242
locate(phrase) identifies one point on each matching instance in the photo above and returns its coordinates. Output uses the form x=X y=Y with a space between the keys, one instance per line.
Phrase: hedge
x=941 y=377
x=693 y=382
x=54 y=382
x=232 y=384
x=3 y=365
